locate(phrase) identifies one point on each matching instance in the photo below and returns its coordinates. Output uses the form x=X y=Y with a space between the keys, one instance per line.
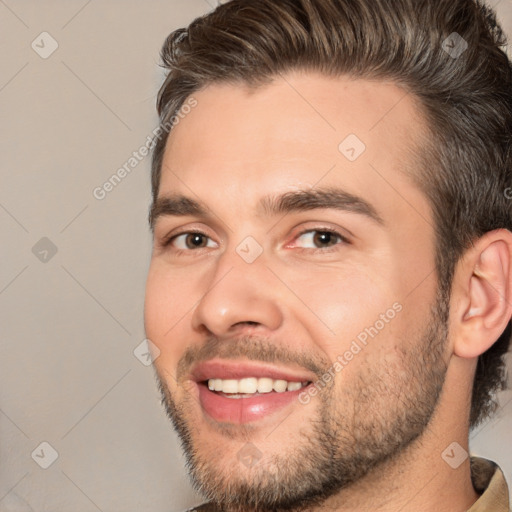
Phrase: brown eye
x=195 y=240
x=325 y=238
x=189 y=241
x=319 y=239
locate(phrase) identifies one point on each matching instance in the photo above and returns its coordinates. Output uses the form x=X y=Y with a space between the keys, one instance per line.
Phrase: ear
x=482 y=294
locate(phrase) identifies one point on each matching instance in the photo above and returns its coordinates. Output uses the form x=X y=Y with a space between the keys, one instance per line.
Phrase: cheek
x=339 y=304
x=168 y=300
x=155 y=304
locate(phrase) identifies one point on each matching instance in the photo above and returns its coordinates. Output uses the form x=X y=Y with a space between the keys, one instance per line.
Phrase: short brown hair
x=464 y=166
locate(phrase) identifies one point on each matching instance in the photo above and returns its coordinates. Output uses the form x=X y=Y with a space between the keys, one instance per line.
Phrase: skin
x=238 y=145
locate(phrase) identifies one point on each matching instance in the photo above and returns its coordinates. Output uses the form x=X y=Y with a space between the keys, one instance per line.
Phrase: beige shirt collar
x=489 y=482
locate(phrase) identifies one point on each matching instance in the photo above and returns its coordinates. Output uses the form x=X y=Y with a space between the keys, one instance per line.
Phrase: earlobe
x=486 y=308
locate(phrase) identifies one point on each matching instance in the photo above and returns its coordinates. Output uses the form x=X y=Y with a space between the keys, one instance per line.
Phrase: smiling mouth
x=244 y=391
x=252 y=386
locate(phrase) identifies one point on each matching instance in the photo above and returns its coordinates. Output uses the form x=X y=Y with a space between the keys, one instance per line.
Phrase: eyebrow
x=271 y=205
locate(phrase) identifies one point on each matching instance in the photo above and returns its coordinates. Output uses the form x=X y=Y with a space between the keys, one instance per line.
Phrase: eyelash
x=167 y=241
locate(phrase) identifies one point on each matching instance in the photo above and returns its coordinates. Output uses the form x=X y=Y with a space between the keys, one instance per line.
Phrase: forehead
x=300 y=130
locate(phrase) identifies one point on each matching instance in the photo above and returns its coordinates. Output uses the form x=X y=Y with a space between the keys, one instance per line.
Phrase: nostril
x=248 y=322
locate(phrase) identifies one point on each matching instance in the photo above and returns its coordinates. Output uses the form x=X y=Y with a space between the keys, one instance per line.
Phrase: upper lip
x=222 y=369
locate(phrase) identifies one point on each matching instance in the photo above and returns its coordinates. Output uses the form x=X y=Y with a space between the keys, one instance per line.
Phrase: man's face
x=308 y=271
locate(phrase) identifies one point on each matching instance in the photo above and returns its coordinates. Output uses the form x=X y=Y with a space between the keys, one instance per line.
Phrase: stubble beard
x=355 y=430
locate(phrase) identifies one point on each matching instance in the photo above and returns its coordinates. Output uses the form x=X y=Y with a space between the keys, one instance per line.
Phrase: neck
x=419 y=478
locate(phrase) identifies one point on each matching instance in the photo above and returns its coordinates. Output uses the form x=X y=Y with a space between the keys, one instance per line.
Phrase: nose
x=238 y=294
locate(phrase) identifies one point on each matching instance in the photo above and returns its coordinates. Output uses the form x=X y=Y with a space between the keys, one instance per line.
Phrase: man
x=329 y=293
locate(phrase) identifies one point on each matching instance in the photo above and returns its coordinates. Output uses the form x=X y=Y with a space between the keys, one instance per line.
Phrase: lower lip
x=244 y=410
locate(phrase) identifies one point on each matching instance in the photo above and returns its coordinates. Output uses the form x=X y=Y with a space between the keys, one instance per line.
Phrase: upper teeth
x=252 y=385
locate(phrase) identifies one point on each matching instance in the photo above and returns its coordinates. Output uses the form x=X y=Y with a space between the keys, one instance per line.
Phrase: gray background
x=70 y=321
